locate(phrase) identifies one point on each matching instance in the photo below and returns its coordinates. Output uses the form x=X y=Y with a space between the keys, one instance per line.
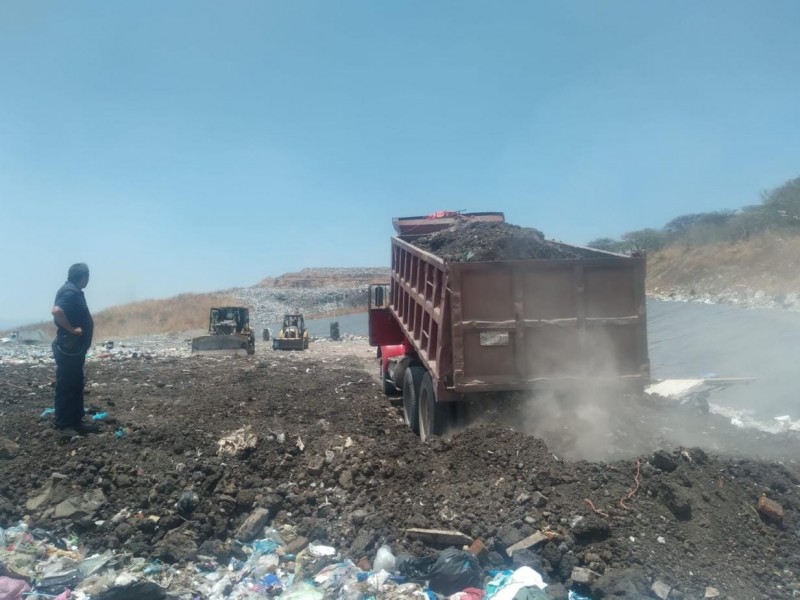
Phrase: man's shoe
x=68 y=433
x=84 y=428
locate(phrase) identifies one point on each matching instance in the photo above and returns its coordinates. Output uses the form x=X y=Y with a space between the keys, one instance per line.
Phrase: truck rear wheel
x=434 y=417
x=411 y=385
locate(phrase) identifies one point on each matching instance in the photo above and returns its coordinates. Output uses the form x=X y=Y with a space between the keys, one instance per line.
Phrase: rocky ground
x=331 y=457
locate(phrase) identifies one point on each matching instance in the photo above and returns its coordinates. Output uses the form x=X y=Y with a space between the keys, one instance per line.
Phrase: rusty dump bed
x=497 y=326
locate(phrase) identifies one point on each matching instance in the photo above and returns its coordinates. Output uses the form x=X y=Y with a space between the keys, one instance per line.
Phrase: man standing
x=73 y=338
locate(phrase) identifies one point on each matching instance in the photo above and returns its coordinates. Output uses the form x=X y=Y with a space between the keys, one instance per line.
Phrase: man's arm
x=60 y=318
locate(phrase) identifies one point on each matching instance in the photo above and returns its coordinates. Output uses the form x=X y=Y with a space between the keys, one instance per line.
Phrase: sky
x=193 y=146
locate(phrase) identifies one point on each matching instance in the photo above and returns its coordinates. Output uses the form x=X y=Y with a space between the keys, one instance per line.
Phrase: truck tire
x=251 y=344
x=434 y=417
x=411 y=384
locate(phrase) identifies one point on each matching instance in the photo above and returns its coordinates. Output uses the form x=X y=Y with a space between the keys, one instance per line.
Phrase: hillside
x=314 y=292
x=763 y=271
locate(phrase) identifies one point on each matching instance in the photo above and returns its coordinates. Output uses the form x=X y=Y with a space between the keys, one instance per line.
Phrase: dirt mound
x=474 y=241
x=334 y=460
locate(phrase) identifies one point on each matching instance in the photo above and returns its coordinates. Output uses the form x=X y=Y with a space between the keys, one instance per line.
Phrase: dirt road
x=333 y=458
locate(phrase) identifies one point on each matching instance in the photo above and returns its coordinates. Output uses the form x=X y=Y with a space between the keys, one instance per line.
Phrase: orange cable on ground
x=602 y=513
x=635 y=488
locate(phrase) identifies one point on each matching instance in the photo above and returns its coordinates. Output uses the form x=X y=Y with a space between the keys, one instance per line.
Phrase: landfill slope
x=332 y=458
x=476 y=241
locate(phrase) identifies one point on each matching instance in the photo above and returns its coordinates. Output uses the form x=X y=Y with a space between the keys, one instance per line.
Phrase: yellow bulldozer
x=229 y=332
x=293 y=334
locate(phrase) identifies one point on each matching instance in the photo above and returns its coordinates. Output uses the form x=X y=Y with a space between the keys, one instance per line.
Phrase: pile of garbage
x=268 y=305
x=35 y=564
x=152 y=347
x=347 y=337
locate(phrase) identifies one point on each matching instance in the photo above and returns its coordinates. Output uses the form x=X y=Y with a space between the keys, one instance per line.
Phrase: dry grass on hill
x=768 y=262
x=181 y=313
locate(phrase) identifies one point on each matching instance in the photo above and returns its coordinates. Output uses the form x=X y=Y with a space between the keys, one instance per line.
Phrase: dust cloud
x=593 y=417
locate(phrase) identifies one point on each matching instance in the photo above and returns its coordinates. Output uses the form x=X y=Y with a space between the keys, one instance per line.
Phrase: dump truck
x=229 y=332
x=293 y=334
x=449 y=332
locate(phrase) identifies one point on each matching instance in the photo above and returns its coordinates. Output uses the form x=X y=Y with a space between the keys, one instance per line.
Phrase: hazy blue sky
x=192 y=146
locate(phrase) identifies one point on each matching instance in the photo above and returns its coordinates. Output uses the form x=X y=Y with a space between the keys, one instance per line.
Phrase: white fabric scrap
x=237 y=442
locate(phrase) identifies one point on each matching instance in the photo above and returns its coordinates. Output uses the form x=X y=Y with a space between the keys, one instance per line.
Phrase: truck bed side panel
x=513 y=324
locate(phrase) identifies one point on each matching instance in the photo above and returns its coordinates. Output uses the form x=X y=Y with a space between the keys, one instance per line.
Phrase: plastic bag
x=413 y=567
x=13 y=589
x=303 y=591
x=385 y=560
x=453 y=571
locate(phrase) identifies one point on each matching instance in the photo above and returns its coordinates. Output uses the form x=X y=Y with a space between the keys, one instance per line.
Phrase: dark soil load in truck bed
x=477 y=241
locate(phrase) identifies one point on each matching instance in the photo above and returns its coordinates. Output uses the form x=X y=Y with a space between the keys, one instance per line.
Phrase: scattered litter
x=238 y=442
x=319 y=550
x=507 y=584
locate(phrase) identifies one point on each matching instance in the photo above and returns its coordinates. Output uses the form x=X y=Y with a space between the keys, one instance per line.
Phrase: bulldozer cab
x=293 y=326
x=229 y=332
x=293 y=334
x=228 y=320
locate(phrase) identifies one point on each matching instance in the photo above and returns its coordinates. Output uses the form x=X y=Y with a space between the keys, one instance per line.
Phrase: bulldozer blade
x=288 y=344
x=220 y=344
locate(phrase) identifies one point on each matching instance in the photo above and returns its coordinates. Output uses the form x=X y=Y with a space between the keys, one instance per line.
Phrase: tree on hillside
x=607 y=244
x=782 y=205
x=649 y=240
x=680 y=225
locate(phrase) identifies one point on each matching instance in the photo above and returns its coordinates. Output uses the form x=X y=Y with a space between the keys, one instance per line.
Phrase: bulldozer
x=293 y=334
x=229 y=332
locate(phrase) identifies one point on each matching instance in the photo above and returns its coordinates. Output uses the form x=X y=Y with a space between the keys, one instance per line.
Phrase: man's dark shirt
x=72 y=301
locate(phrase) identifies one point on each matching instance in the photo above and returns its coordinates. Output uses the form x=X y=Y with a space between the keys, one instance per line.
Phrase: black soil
x=685 y=517
x=475 y=241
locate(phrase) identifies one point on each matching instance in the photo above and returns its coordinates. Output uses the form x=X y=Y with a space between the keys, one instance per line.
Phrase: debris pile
x=332 y=467
x=277 y=564
x=474 y=241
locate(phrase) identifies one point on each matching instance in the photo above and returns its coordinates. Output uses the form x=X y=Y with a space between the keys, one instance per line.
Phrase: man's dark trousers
x=69 y=388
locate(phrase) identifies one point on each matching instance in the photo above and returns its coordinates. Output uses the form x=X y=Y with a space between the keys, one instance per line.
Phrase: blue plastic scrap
x=576 y=596
x=265 y=546
x=271 y=580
